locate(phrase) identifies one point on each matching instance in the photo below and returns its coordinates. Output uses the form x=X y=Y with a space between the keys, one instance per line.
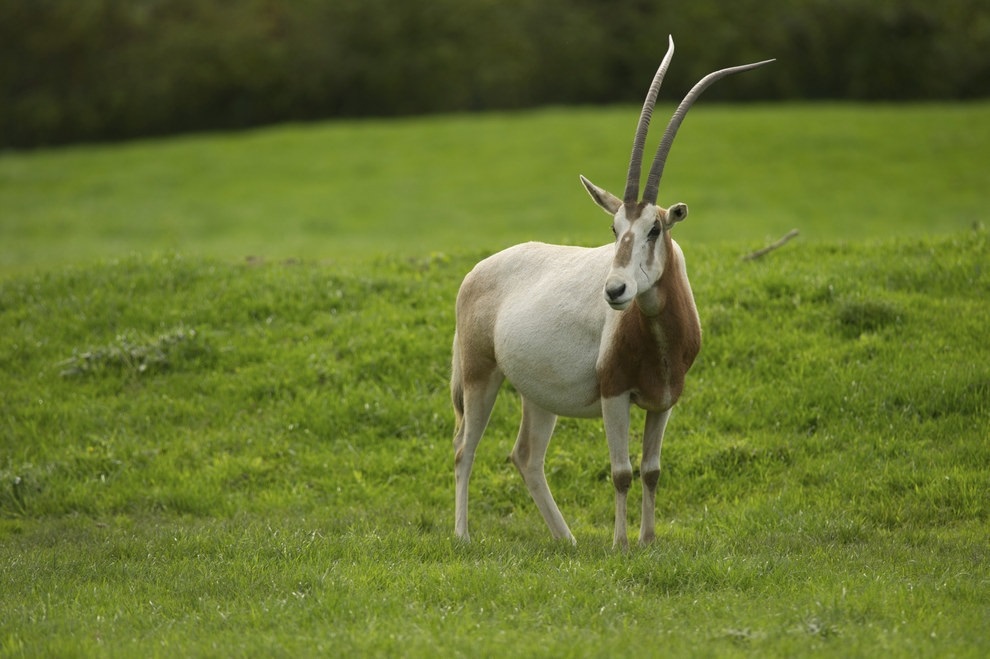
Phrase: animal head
x=641 y=227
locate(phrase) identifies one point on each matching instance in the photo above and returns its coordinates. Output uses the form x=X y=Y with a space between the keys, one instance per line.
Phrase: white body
x=547 y=342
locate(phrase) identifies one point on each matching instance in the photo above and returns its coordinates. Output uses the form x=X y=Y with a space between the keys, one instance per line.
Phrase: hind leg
x=473 y=409
x=529 y=454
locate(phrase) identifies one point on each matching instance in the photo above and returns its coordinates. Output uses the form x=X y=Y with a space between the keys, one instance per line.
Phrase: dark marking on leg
x=622 y=480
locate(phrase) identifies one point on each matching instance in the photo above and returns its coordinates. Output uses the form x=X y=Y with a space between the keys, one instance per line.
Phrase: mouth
x=619 y=305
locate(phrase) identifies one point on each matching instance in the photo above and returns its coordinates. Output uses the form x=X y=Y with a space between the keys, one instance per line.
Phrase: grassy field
x=206 y=455
x=338 y=190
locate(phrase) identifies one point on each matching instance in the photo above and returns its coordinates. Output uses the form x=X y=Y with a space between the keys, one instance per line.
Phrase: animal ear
x=608 y=201
x=676 y=213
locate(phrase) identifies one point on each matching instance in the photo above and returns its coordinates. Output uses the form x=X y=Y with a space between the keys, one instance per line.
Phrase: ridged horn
x=639 y=141
x=656 y=170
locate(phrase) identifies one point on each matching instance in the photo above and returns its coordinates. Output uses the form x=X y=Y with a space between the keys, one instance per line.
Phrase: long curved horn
x=639 y=141
x=656 y=170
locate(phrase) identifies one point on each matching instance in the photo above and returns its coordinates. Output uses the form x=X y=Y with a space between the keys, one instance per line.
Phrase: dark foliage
x=76 y=70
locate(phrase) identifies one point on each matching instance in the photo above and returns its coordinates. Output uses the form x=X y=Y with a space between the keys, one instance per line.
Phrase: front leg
x=615 y=412
x=656 y=423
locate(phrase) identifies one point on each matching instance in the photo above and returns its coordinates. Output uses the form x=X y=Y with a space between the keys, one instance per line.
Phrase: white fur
x=547 y=340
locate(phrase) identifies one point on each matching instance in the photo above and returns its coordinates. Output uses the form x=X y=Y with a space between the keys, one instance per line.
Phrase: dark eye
x=654 y=232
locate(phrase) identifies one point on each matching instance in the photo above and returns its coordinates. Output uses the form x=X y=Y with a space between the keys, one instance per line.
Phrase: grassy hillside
x=201 y=457
x=336 y=190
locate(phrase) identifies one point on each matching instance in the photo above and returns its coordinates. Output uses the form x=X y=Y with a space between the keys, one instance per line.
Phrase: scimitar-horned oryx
x=583 y=332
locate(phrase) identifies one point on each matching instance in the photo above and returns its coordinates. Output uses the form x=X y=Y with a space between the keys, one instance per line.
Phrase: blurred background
x=106 y=70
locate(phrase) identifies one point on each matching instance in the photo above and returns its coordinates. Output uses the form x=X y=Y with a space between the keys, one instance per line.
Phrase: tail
x=456 y=389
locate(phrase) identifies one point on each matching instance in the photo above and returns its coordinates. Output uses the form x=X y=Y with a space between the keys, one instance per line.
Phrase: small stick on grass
x=769 y=248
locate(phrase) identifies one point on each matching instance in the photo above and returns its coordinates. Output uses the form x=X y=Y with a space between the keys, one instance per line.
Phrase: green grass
x=334 y=190
x=204 y=455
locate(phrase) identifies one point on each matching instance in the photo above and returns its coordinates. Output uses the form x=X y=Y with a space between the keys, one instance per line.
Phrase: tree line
x=87 y=70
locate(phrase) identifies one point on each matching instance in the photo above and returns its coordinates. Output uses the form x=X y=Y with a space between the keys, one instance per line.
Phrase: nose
x=615 y=291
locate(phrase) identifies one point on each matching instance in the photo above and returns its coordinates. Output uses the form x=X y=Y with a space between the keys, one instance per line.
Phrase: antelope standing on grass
x=583 y=332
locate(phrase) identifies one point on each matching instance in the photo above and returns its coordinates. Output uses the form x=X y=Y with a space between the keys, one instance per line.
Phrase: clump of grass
x=135 y=354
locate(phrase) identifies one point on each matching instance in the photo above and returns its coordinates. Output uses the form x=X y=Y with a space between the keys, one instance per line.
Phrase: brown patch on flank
x=475 y=344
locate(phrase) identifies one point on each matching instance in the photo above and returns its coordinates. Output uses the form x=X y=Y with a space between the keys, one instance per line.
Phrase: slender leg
x=615 y=412
x=479 y=399
x=529 y=454
x=656 y=422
